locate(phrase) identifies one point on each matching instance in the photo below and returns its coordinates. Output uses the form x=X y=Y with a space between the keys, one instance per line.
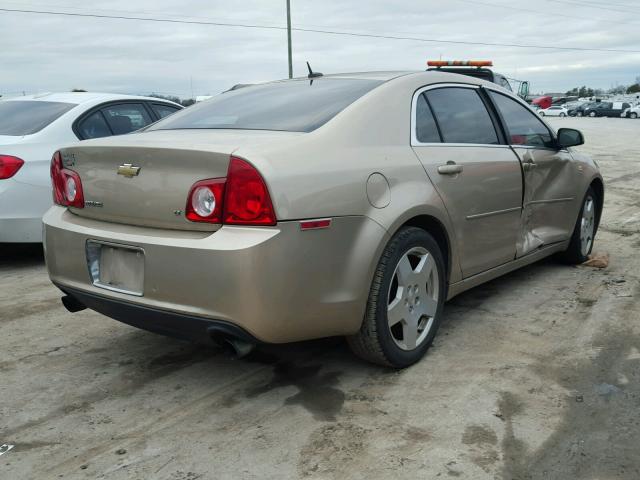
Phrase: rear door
x=478 y=177
x=549 y=200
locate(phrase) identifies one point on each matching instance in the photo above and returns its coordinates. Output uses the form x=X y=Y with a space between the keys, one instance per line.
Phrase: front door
x=478 y=178
x=549 y=200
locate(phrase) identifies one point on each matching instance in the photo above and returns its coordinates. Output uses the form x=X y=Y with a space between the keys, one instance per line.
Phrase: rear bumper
x=186 y=327
x=278 y=284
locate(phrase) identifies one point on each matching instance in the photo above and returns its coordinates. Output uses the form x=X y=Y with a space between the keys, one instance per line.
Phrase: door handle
x=449 y=169
x=526 y=166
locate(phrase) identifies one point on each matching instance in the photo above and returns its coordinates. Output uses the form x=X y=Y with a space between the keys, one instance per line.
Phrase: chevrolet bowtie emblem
x=128 y=170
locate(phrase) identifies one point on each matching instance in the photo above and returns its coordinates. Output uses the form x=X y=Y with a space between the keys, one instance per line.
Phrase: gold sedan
x=352 y=204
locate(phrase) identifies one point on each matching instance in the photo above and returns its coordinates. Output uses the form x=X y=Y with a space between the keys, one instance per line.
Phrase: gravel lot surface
x=533 y=376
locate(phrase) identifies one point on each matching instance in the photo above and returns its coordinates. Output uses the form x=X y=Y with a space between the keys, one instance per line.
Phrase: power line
x=589 y=5
x=540 y=12
x=310 y=30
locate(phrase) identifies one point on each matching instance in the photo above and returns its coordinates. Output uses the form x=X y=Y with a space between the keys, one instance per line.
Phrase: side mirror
x=569 y=137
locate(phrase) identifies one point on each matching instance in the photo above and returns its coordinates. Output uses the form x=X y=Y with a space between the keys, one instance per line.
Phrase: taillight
x=9 y=166
x=242 y=198
x=247 y=200
x=67 y=186
x=205 y=201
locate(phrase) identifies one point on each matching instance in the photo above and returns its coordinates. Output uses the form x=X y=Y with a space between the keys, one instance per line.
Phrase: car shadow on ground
x=18 y=255
x=159 y=356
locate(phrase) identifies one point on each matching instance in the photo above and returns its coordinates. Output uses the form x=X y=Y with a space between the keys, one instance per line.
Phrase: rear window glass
x=296 y=106
x=24 y=117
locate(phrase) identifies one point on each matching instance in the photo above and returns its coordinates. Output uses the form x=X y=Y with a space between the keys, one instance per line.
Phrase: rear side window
x=524 y=127
x=293 y=105
x=462 y=116
x=126 y=117
x=94 y=126
x=25 y=117
x=426 y=128
x=163 y=110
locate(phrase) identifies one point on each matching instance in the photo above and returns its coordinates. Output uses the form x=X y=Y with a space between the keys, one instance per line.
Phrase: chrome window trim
x=414 y=101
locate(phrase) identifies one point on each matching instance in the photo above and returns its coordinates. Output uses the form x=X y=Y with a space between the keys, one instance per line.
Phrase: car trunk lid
x=144 y=179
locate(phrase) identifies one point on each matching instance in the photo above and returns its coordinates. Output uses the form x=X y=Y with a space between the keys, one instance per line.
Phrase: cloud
x=50 y=53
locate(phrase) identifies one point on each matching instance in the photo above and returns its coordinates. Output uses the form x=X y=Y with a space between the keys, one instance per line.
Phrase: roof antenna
x=313 y=74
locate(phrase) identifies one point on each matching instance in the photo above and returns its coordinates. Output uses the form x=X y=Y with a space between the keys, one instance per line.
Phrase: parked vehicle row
x=599 y=109
x=33 y=127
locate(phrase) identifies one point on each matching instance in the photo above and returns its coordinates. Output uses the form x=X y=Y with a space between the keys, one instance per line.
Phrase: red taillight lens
x=67 y=187
x=247 y=200
x=205 y=199
x=242 y=198
x=9 y=166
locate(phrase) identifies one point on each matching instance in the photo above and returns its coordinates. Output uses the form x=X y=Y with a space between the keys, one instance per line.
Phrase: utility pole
x=289 y=37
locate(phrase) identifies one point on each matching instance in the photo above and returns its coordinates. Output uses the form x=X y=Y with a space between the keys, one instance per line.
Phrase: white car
x=632 y=112
x=33 y=127
x=554 y=111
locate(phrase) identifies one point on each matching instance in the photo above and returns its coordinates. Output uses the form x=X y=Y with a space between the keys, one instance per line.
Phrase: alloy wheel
x=587 y=225
x=413 y=298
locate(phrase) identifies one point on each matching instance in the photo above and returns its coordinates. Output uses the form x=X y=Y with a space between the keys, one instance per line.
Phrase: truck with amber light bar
x=478 y=69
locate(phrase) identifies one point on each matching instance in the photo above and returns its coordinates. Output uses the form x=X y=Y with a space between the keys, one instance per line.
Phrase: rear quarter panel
x=324 y=173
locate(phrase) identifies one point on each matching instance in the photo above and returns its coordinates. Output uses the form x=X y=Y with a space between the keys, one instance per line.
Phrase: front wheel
x=562 y=115
x=542 y=114
x=633 y=115
x=579 y=114
x=584 y=232
x=405 y=302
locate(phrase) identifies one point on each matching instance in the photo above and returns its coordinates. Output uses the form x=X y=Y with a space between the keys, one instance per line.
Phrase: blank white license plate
x=116 y=267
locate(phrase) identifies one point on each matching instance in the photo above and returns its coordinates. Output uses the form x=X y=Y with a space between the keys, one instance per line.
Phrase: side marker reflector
x=315 y=224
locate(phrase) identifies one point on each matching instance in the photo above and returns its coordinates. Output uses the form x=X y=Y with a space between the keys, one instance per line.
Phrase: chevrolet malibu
x=352 y=205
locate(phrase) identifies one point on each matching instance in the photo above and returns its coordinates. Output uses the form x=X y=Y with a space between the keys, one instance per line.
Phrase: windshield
x=24 y=117
x=296 y=106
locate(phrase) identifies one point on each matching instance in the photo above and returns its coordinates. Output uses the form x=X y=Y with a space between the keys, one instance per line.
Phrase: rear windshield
x=295 y=106
x=24 y=117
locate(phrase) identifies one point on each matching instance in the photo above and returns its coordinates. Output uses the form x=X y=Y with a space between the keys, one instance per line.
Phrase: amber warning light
x=459 y=63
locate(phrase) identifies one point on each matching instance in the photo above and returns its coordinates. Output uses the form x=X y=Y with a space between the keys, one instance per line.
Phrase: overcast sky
x=54 y=53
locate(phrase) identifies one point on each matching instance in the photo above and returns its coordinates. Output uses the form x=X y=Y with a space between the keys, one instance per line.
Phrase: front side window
x=426 y=128
x=524 y=128
x=26 y=117
x=462 y=116
x=126 y=117
x=292 y=105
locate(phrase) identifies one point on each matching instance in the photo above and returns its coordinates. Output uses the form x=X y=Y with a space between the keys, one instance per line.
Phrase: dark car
x=606 y=109
x=578 y=110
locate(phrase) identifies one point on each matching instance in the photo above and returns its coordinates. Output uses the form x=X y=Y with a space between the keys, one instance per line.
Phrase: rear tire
x=579 y=114
x=584 y=231
x=405 y=302
x=633 y=115
x=542 y=114
x=593 y=114
x=562 y=115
